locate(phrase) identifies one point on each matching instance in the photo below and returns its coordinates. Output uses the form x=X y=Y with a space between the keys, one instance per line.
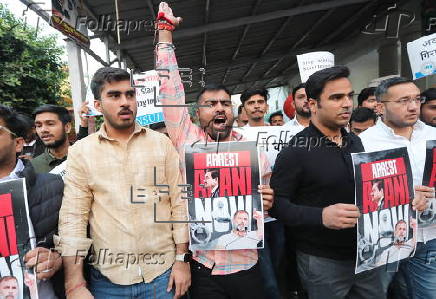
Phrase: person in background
x=428 y=107
x=361 y=119
x=301 y=105
x=255 y=102
x=366 y=98
x=276 y=119
x=242 y=119
x=53 y=124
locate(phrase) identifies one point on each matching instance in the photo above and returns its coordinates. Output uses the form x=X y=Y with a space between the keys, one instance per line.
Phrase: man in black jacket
x=44 y=194
x=313 y=183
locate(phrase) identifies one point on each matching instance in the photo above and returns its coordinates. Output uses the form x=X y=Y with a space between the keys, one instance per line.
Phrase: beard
x=300 y=111
x=58 y=142
x=218 y=134
x=119 y=126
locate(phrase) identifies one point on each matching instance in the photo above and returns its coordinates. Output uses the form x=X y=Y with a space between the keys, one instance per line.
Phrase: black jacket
x=310 y=174
x=44 y=196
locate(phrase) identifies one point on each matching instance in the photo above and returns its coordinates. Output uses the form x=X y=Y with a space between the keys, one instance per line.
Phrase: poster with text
x=422 y=56
x=386 y=228
x=269 y=139
x=147 y=98
x=226 y=202
x=427 y=218
x=312 y=62
x=15 y=241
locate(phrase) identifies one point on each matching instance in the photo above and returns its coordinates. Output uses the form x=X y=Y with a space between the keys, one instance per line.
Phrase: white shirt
x=293 y=123
x=232 y=241
x=381 y=137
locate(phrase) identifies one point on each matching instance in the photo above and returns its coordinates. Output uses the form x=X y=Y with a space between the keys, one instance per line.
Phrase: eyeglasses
x=8 y=131
x=407 y=100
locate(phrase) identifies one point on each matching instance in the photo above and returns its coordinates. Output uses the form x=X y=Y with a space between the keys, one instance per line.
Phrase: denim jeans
x=270 y=257
x=421 y=274
x=102 y=288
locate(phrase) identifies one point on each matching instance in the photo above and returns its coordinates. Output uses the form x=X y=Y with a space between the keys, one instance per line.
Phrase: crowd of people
x=96 y=227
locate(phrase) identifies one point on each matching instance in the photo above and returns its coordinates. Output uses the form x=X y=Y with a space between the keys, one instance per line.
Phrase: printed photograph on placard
x=226 y=202
x=427 y=218
x=386 y=229
x=16 y=239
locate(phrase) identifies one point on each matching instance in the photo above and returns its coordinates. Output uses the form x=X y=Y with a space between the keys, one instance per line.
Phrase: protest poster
x=422 y=56
x=15 y=241
x=147 y=98
x=427 y=218
x=226 y=203
x=386 y=228
x=312 y=62
x=269 y=139
x=64 y=18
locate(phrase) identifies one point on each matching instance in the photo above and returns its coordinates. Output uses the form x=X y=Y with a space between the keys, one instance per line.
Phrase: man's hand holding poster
x=384 y=192
x=427 y=218
x=226 y=202
x=16 y=282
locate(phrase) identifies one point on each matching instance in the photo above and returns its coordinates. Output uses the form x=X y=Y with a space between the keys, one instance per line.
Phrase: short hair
x=362 y=114
x=294 y=90
x=240 y=109
x=384 y=85
x=240 y=211
x=379 y=184
x=251 y=92
x=9 y=277
x=277 y=113
x=400 y=222
x=13 y=121
x=429 y=94
x=107 y=75
x=317 y=81
x=214 y=173
x=365 y=94
x=213 y=87
x=62 y=112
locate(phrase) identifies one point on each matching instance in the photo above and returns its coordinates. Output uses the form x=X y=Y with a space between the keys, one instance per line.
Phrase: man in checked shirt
x=214 y=272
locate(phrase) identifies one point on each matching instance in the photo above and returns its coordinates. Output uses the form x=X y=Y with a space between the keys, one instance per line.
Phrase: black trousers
x=241 y=285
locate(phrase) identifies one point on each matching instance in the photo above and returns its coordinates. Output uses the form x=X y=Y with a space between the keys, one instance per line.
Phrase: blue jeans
x=421 y=278
x=102 y=288
x=270 y=257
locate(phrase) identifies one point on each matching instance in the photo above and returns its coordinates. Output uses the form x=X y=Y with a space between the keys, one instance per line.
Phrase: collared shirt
x=46 y=162
x=182 y=131
x=113 y=187
x=381 y=137
x=19 y=167
x=293 y=123
x=310 y=174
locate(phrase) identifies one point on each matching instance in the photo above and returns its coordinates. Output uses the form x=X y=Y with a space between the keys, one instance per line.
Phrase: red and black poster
x=15 y=280
x=427 y=218
x=384 y=193
x=226 y=208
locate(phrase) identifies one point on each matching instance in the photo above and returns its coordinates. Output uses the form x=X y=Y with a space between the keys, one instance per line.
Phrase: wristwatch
x=184 y=257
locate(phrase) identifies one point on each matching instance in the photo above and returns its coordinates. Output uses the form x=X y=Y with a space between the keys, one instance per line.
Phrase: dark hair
x=429 y=94
x=362 y=114
x=62 y=112
x=365 y=94
x=384 y=85
x=240 y=109
x=401 y=221
x=107 y=75
x=294 y=90
x=14 y=121
x=277 y=113
x=251 y=92
x=316 y=82
x=213 y=87
x=214 y=173
x=379 y=183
